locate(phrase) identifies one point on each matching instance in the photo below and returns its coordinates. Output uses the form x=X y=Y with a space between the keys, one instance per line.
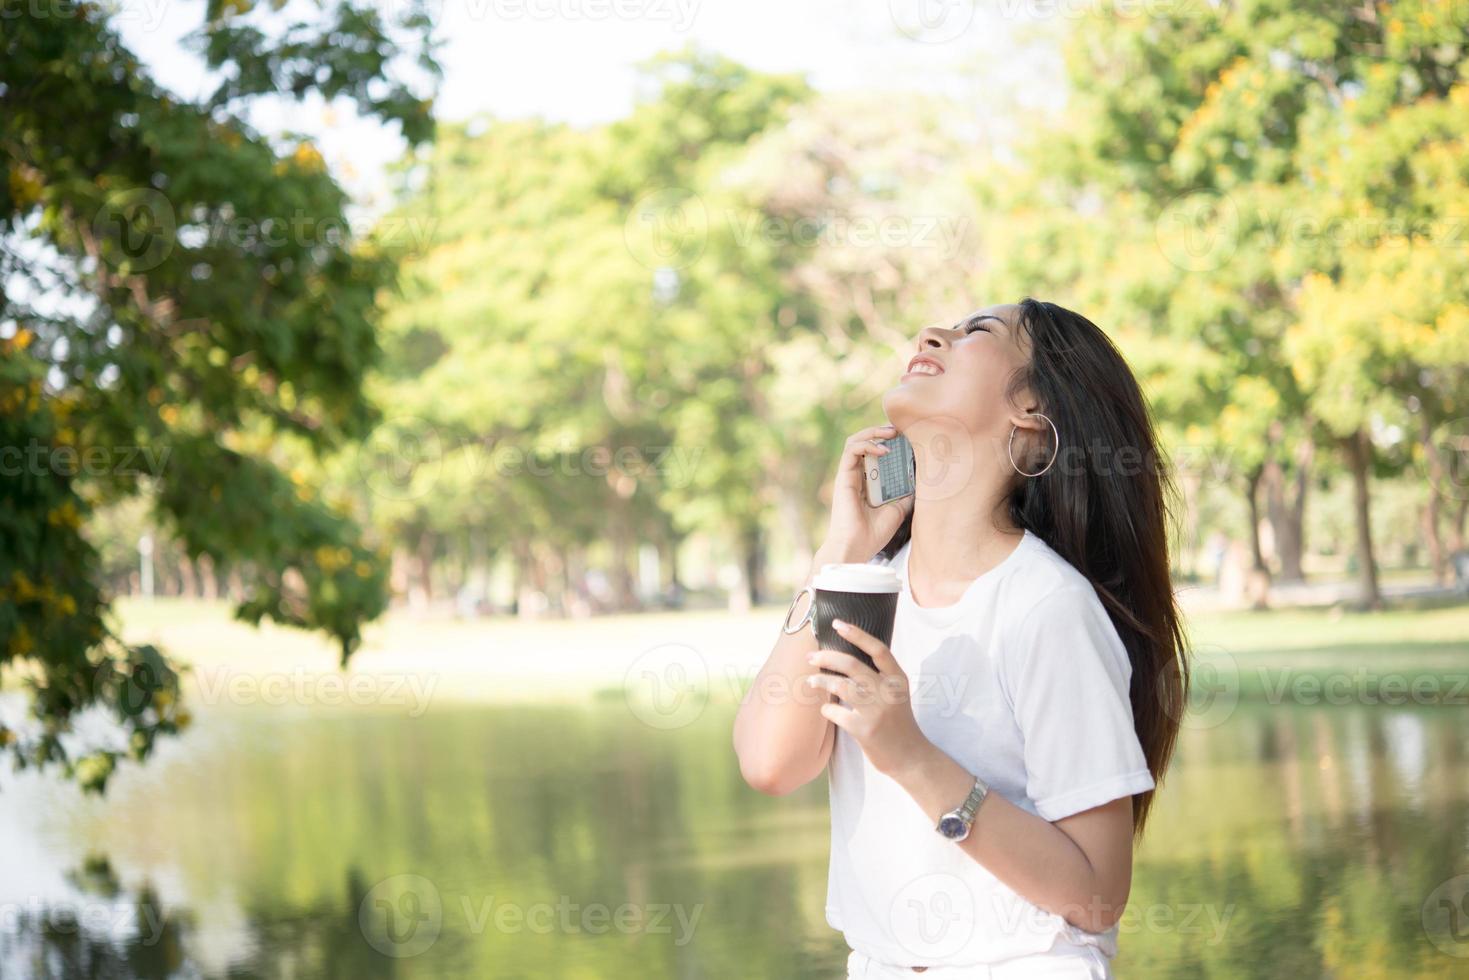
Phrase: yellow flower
x=24 y=590
x=308 y=158
x=64 y=515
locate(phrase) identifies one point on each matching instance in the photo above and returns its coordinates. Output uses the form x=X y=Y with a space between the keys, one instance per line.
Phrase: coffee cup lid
x=857 y=578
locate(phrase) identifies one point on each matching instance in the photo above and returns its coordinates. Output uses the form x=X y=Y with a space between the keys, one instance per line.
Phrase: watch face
x=952 y=827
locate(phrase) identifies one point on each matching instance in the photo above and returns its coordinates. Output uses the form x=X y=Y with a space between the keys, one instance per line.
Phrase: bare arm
x=780 y=736
x=1079 y=867
x=782 y=739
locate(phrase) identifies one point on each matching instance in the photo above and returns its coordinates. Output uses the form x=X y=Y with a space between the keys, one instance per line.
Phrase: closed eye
x=977 y=323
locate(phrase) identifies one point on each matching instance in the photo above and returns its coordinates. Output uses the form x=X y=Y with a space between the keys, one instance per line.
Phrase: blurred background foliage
x=563 y=347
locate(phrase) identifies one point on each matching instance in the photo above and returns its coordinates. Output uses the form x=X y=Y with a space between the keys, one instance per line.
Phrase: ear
x=1022 y=420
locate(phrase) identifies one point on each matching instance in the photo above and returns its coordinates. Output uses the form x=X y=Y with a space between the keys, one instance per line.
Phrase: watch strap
x=976 y=796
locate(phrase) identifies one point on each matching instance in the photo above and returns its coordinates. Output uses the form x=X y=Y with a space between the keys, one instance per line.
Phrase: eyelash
x=973 y=327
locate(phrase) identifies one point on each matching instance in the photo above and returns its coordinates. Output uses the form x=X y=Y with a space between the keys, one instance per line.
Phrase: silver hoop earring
x=1010 y=448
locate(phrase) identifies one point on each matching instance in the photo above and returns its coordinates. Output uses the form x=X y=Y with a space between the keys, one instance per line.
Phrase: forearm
x=1030 y=854
x=780 y=735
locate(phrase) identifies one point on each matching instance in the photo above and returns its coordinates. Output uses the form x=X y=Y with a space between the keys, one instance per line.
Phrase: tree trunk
x=1358 y=450
x=1437 y=556
x=668 y=560
x=551 y=577
x=1285 y=506
x=1292 y=560
x=1252 y=500
x=208 y=579
x=188 y=580
x=421 y=592
x=527 y=597
x=752 y=559
x=399 y=572
x=574 y=578
x=1433 y=506
x=624 y=578
x=1189 y=485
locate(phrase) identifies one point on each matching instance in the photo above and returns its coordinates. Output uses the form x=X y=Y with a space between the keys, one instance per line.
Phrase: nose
x=933 y=337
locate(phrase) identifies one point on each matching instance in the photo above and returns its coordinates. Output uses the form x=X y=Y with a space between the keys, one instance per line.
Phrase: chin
x=902 y=407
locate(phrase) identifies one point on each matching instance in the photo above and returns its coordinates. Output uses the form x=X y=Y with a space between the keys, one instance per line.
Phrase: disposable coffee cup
x=864 y=595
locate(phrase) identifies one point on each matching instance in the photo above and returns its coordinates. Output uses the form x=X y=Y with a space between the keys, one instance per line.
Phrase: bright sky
x=574 y=60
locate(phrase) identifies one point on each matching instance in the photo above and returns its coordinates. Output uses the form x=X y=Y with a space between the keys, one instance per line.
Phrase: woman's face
x=963 y=386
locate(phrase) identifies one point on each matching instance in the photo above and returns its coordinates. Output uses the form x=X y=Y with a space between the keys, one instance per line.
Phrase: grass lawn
x=1415 y=652
x=1275 y=655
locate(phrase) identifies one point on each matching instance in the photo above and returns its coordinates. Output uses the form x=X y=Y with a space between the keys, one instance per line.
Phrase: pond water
x=577 y=841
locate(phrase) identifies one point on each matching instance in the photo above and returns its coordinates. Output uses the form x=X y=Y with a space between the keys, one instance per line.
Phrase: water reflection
x=557 y=841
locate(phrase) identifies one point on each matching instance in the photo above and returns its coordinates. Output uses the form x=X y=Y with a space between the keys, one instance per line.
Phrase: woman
x=1037 y=670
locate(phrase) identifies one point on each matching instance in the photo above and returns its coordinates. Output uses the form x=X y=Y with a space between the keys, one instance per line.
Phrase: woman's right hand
x=857 y=529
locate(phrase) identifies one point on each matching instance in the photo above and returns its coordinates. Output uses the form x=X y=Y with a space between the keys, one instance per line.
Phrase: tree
x=1222 y=140
x=180 y=299
x=546 y=272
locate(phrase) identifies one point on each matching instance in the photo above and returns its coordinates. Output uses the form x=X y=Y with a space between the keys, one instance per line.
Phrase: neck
x=961 y=519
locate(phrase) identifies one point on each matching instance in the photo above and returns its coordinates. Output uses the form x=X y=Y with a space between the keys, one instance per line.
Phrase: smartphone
x=892 y=475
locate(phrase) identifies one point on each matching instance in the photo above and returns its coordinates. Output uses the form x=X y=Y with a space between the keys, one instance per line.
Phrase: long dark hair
x=1104 y=506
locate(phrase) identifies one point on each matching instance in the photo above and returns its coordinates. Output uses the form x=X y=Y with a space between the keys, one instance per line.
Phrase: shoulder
x=1043 y=578
x=1047 y=598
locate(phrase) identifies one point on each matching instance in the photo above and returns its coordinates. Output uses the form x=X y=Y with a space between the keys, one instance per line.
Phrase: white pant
x=1061 y=962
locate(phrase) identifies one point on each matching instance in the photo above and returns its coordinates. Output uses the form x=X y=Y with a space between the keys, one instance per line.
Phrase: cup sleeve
x=1066 y=674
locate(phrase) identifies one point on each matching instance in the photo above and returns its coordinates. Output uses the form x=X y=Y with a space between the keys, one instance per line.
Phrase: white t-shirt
x=1024 y=682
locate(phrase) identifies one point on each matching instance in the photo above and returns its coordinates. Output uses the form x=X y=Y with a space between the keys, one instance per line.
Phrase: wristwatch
x=956 y=823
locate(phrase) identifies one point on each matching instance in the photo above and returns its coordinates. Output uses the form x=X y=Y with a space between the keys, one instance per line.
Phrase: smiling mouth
x=924 y=369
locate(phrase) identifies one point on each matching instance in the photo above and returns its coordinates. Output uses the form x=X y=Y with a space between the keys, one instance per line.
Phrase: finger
x=872 y=432
x=840 y=660
x=868 y=440
x=843 y=687
x=855 y=456
x=868 y=644
x=838 y=715
x=852 y=467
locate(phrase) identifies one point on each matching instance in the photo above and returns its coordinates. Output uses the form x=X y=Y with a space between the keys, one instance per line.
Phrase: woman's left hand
x=877 y=712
